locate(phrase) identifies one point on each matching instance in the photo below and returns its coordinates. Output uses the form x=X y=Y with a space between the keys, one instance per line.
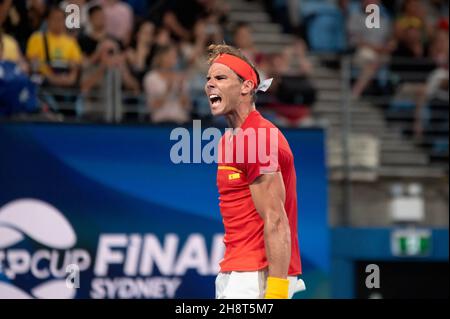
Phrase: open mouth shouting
x=215 y=100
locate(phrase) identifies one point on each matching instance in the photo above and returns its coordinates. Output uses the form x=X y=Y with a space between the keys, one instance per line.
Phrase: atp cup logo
x=55 y=265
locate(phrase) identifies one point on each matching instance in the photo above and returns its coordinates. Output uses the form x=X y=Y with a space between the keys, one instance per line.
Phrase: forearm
x=171 y=22
x=130 y=82
x=277 y=239
x=269 y=197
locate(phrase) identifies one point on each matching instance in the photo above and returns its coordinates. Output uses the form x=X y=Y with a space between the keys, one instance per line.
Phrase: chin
x=216 y=111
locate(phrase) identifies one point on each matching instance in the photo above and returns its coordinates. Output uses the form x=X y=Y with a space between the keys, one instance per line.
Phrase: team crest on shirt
x=234 y=176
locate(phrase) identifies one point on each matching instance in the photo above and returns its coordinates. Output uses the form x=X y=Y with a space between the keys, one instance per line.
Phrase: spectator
x=206 y=32
x=21 y=18
x=181 y=17
x=54 y=54
x=94 y=40
x=166 y=89
x=37 y=10
x=412 y=33
x=242 y=39
x=11 y=52
x=5 y=6
x=436 y=88
x=295 y=55
x=217 y=9
x=410 y=54
x=410 y=50
x=439 y=46
x=119 y=20
x=291 y=71
x=410 y=45
x=413 y=14
x=17 y=92
x=162 y=37
x=141 y=51
x=213 y=30
x=102 y=52
x=373 y=46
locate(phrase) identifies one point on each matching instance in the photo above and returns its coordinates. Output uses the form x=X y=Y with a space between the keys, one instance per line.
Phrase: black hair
x=138 y=24
x=93 y=9
x=240 y=25
x=52 y=9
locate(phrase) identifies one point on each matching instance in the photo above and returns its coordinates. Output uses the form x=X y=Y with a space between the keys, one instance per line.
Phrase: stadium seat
x=325 y=30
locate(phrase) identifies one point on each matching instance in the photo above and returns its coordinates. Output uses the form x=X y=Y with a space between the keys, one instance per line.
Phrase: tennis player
x=258 y=196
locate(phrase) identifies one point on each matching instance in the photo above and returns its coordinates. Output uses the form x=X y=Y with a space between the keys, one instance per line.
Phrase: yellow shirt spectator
x=11 y=51
x=62 y=49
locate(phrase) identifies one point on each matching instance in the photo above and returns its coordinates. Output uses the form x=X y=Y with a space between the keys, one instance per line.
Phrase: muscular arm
x=268 y=195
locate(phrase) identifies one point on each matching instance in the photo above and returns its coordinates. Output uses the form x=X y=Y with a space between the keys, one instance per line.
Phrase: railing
x=105 y=104
x=110 y=104
x=404 y=71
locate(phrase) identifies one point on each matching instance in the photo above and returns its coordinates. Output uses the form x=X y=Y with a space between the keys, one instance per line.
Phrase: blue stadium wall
x=137 y=225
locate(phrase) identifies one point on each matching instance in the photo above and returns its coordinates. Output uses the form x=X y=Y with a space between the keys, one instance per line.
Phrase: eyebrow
x=216 y=76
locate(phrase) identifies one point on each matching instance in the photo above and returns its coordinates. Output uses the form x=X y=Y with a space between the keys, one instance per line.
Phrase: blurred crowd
x=158 y=50
x=413 y=40
x=406 y=57
x=157 y=47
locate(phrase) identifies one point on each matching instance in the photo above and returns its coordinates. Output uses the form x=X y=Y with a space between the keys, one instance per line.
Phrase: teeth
x=212 y=96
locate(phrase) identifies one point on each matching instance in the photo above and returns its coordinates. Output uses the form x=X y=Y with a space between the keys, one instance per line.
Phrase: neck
x=98 y=33
x=237 y=117
x=144 y=44
x=55 y=33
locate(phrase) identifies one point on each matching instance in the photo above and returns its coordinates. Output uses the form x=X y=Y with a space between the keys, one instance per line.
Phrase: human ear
x=247 y=87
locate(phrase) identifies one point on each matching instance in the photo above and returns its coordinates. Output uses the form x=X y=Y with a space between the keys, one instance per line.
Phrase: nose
x=209 y=84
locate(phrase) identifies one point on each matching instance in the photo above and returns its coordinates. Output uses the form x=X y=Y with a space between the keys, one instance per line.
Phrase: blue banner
x=100 y=211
